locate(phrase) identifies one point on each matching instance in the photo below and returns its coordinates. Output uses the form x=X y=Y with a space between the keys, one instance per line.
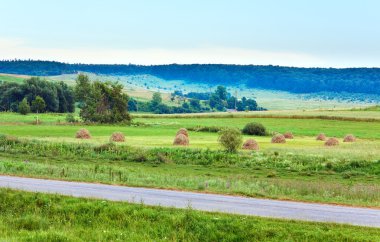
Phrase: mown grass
x=277 y=175
x=38 y=217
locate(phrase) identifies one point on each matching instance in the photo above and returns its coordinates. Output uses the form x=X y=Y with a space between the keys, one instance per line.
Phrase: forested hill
x=297 y=80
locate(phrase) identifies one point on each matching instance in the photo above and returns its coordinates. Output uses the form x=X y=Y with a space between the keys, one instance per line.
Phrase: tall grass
x=37 y=217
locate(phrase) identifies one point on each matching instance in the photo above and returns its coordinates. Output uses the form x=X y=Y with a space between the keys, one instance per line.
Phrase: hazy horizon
x=336 y=34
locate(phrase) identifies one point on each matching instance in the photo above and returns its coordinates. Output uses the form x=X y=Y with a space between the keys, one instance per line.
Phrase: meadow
x=39 y=217
x=302 y=169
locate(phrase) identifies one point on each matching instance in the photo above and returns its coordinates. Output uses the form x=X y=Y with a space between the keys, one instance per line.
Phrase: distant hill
x=291 y=79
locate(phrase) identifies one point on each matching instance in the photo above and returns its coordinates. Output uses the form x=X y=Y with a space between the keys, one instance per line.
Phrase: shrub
x=24 y=107
x=278 y=139
x=254 y=129
x=211 y=129
x=181 y=139
x=183 y=131
x=70 y=118
x=332 y=142
x=288 y=135
x=117 y=137
x=349 y=138
x=231 y=139
x=321 y=137
x=250 y=144
x=83 y=134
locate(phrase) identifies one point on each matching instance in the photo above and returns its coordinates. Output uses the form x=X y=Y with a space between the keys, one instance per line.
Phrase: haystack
x=183 y=131
x=332 y=142
x=250 y=144
x=278 y=139
x=321 y=137
x=288 y=135
x=83 y=134
x=349 y=138
x=117 y=137
x=181 y=140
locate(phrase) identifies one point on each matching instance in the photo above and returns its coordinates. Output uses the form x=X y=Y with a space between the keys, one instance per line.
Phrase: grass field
x=37 y=217
x=12 y=78
x=295 y=173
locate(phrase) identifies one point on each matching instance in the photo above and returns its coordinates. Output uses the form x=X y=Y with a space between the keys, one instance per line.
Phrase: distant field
x=12 y=78
x=142 y=86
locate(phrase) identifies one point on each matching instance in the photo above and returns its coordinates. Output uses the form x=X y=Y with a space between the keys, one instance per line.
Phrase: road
x=201 y=201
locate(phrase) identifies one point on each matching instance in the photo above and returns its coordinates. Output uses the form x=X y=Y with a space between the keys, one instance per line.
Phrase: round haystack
x=181 y=139
x=117 y=137
x=321 y=137
x=278 y=139
x=288 y=135
x=349 y=138
x=183 y=131
x=83 y=134
x=250 y=144
x=332 y=142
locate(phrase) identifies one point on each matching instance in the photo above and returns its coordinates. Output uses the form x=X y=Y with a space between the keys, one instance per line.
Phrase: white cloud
x=17 y=49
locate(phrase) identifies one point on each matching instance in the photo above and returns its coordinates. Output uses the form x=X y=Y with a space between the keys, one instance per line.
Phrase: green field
x=12 y=78
x=349 y=173
x=37 y=217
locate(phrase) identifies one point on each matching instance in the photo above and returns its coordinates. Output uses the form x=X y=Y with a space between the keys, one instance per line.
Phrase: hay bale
x=83 y=134
x=332 y=142
x=181 y=140
x=117 y=137
x=349 y=138
x=183 y=131
x=250 y=144
x=288 y=135
x=278 y=139
x=321 y=137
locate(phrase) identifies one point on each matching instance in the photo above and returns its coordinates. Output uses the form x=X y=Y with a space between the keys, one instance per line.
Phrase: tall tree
x=38 y=105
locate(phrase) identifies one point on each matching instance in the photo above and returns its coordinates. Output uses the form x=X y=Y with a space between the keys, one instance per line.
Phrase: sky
x=315 y=33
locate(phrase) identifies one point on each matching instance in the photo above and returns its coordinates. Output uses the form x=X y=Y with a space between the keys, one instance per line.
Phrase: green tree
x=221 y=92
x=156 y=100
x=231 y=139
x=105 y=102
x=24 y=107
x=38 y=105
x=82 y=88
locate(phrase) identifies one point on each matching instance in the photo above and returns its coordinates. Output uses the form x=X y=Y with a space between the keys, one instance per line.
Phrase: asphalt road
x=201 y=201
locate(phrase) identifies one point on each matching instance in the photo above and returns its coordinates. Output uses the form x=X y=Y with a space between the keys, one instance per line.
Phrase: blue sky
x=291 y=33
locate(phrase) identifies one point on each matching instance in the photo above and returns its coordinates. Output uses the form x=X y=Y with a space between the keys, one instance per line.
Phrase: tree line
x=36 y=95
x=292 y=79
x=219 y=100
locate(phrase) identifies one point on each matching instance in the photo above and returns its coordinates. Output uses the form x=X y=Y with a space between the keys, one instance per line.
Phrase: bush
x=70 y=118
x=250 y=144
x=254 y=129
x=321 y=137
x=278 y=139
x=231 y=139
x=181 y=139
x=183 y=131
x=332 y=142
x=289 y=135
x=23 y=107
x=211 y=129
x=349 y=138
x=83 y=134
x=117 y=137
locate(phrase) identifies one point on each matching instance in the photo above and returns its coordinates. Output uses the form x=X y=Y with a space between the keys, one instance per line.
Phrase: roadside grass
x=277 y=175
x=40 y=217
